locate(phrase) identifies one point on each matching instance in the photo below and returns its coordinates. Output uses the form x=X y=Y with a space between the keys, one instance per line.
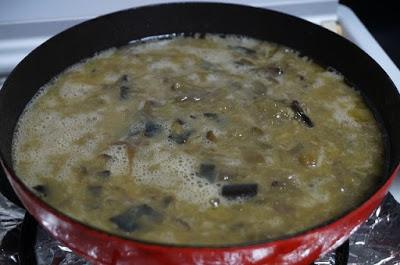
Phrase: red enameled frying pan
x=84 y=40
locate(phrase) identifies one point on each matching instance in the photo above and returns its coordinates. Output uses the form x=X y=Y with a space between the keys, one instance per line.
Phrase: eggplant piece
x=208 y=172
x=135 y=217
x=211 y=115
x=124 y=89
x=211 y=136
x=237 y=191
x=124 y=78
x=299 y=112
x=180 y=138
x=104 y=173
x=256 y=131
x=124 y=92
x=43 y=190
x=151 y=129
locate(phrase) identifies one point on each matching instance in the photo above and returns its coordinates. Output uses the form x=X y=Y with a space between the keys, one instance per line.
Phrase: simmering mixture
x=201 y=141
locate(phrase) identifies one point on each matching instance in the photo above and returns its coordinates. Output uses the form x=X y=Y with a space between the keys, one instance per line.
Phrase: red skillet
x=117 y=29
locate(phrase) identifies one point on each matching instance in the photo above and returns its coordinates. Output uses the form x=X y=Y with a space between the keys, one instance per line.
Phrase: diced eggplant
x=180 y=138
x=299 y=112
x=151 y=129
x=104 y=173
x=124 y=78
x=236 y=191
x=256 y=131
x=211 y=115
x=125 y=87
x=126 y=221
x=43 y=190
x=211 y=136
x=124 y=92
x=135 y=217
x=208 y=171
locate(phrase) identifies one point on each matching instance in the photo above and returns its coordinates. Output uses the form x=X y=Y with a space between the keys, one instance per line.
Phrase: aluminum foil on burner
x=11 y=217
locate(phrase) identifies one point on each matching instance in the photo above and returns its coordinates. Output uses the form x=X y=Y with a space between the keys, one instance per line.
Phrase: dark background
x=382 y=19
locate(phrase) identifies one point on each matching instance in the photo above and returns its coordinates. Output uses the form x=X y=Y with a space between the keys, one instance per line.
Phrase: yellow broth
x=201 y=141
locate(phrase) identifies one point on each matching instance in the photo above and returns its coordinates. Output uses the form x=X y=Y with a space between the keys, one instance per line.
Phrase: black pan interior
x=119 y=28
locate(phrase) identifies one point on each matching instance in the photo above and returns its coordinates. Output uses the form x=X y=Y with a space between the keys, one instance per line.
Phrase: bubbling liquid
x=199 y=141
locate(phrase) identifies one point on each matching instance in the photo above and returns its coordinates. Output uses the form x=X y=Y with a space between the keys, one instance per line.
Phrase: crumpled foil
x=11 y=217
x=376 y=242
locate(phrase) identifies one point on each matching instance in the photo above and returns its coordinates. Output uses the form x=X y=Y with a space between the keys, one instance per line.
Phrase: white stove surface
x=26 y=24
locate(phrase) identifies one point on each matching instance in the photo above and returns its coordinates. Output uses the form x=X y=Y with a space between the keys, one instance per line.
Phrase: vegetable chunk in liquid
x=200 y=141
